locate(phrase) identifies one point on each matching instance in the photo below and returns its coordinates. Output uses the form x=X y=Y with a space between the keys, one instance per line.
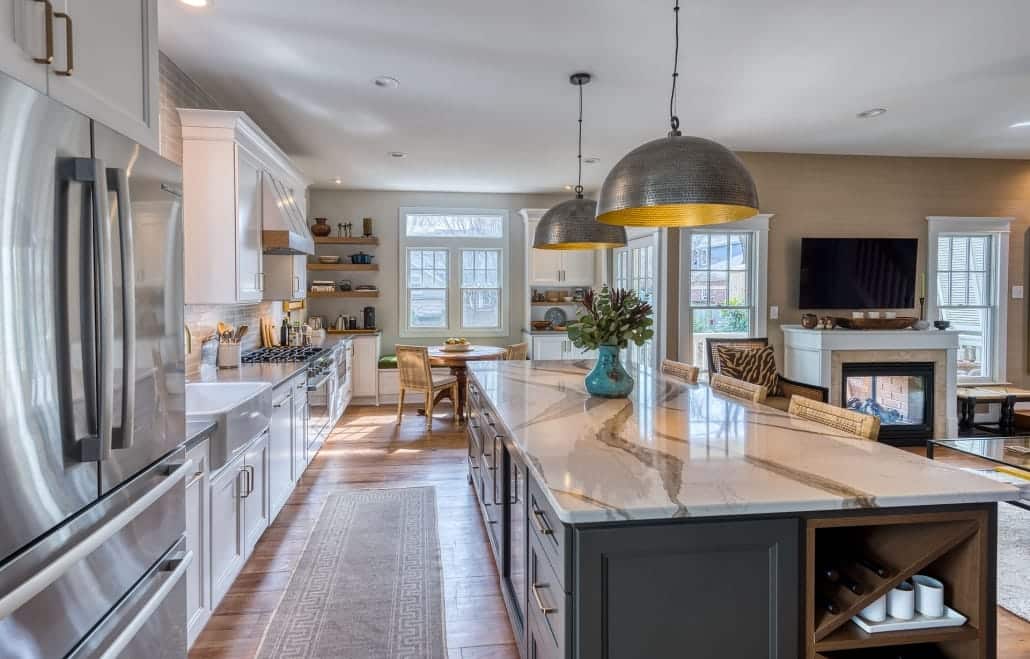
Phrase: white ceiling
x=485 y=104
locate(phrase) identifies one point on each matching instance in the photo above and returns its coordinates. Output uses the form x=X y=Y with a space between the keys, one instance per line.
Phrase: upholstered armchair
x=788 y=388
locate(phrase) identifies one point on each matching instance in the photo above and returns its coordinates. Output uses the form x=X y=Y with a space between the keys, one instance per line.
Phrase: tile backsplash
x=202 y=319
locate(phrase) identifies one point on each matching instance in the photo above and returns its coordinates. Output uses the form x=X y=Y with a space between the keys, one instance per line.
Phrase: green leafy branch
x=612 y=318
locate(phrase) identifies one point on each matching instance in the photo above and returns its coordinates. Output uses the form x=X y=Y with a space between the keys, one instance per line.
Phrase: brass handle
x=540 y=524
x=48 y=28
x=69 y=45
x=539 y=602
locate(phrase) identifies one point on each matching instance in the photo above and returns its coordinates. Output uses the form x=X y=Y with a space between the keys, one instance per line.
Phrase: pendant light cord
x=579 y=150
x=674 y=121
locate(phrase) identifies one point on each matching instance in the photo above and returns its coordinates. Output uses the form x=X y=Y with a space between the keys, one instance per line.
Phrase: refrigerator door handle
x=99 y=373
x=173 y=572
x=118 y=182
x=39 y=581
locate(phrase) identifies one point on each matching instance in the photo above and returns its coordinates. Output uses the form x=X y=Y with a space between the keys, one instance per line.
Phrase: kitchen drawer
x=552 y=535
x=549 y=606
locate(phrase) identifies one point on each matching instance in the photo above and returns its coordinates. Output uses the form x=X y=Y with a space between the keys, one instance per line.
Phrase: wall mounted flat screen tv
x=858 y=273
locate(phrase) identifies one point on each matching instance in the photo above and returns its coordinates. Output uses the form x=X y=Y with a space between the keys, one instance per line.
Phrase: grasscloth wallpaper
x=858 y=196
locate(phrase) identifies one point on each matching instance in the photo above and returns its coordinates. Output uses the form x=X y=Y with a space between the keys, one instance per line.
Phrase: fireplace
x=901 y=394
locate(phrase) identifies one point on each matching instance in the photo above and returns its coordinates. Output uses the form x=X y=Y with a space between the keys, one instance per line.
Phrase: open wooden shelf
x=851 y=636
x=344 y=267
x=360 y=240
x=556 y=304
x=345 y=294
x=951 y=546
x=352 y=331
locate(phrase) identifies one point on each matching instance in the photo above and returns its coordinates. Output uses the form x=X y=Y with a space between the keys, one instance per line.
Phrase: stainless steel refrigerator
x=92 y=510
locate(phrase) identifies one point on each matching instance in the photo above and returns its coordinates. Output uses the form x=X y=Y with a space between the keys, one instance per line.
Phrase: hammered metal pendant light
x=677 y=180
x=572 y=224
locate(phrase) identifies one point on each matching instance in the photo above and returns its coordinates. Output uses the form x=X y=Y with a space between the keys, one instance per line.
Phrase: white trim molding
x=998 y=228
x=758 y=227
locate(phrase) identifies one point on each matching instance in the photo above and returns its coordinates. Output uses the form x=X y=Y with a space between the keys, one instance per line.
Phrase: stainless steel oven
x=323 y=397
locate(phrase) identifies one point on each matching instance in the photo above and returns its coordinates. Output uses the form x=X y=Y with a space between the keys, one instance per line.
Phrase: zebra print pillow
x=754 y=365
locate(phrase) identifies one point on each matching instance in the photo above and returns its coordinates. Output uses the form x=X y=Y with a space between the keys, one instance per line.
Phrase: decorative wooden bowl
x=901 y=322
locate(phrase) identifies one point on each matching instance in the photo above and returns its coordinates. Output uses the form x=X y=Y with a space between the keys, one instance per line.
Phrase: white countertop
x=677 y=450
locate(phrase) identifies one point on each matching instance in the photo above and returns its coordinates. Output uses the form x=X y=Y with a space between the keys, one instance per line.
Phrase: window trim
x=758 y=227
x=454 y=247
x=998 y=228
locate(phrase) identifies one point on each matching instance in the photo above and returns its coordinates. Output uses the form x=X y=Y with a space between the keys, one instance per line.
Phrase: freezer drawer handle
x=118 y=182
x=176 y=569
x=35 y=584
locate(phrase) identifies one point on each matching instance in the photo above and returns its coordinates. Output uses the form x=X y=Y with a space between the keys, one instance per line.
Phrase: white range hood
x=284 y=230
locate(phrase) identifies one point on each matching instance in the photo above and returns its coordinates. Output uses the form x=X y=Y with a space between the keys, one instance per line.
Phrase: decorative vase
x=609 y=379
x=366 y=227
x=321 y=227
x=809 y=321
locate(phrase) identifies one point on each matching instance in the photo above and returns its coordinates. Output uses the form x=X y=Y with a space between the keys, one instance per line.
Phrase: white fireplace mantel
x=808 y=358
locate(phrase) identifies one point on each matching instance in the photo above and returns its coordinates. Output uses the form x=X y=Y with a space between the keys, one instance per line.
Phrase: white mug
x=891 y=315
x=874 y=314
x=875 y=612
x=929 y=596
x=857 y=314
x=901 y=601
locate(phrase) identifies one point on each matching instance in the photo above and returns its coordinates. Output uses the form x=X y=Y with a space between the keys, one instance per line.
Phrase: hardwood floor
x=368 y=450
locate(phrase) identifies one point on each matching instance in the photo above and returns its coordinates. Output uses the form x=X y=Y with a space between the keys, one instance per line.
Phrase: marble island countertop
x=678 y=450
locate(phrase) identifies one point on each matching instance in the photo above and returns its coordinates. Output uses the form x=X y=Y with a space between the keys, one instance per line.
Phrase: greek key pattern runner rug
x=368 y=585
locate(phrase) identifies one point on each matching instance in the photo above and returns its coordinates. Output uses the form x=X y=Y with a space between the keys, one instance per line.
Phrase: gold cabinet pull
x=48 y=29
x=539 y=602
x=540 y=524
x=69 y=45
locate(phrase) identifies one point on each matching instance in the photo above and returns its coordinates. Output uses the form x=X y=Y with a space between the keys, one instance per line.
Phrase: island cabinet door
x=722 y=589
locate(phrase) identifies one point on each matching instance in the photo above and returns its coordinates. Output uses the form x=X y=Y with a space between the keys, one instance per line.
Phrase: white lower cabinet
x=255 y=500
x=198 y=591
x=299 y=419
x=555 y=346
x=365 y=366
x=280 y=448
x=226 y=528
x=239 y=514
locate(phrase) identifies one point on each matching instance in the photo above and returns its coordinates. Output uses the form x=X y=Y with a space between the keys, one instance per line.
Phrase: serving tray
x=901 y=322
x=951 y=618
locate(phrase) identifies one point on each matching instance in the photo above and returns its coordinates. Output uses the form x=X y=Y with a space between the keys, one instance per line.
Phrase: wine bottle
x=831 y=574
x=873 y=567
x=828 y=604
x=852 y=585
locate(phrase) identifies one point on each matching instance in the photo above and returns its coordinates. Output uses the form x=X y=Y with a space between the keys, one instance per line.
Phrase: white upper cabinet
x=106 y=64
x=97 y=57
x=24 y=47
x=555 y=267
x=230 y=167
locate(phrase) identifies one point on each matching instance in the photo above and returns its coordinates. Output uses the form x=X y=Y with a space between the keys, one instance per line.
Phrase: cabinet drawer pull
x=48 y=29
x=68 y=40
x=539 y=602
x=242 y=488
x=540 y=522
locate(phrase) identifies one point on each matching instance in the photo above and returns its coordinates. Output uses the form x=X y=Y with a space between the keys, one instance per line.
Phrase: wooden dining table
x=458 y=361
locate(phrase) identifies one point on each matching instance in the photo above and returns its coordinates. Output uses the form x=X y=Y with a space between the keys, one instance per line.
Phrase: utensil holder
x=929 y=595
x=901 y=601
x=229 y=355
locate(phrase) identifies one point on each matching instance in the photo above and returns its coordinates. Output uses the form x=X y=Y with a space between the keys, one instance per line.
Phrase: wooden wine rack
x=952 y=546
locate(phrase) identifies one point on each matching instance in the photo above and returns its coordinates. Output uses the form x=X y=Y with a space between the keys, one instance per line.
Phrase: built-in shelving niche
x=951 y=546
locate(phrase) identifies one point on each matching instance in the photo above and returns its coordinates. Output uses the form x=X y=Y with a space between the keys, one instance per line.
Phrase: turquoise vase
x=609 y=379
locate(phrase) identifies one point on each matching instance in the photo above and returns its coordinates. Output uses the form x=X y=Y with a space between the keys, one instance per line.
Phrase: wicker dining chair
x=680 y=371
x=416 y=375
x=517 y=352
x=735 y=388
x=865 y=426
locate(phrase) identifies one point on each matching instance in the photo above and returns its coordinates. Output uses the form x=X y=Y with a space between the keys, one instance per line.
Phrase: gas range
x=280 y=355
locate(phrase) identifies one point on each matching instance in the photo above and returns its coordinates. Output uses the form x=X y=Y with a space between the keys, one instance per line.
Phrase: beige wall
x=857 y=196
x=383 y=207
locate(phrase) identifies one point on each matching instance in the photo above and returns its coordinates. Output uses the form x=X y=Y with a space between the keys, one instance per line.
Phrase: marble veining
x=678 y=450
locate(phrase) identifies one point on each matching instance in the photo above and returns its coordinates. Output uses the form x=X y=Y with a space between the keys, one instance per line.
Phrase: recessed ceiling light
x=592 y=160
x=398 y=154
x=386 y=82
x=338 y=181
x=568 y=187
x=1021 y=124
x=194 y=3
x=873 y=112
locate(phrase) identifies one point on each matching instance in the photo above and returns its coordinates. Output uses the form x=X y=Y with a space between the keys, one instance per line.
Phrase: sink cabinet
x=255 y=500
x=280 y=448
